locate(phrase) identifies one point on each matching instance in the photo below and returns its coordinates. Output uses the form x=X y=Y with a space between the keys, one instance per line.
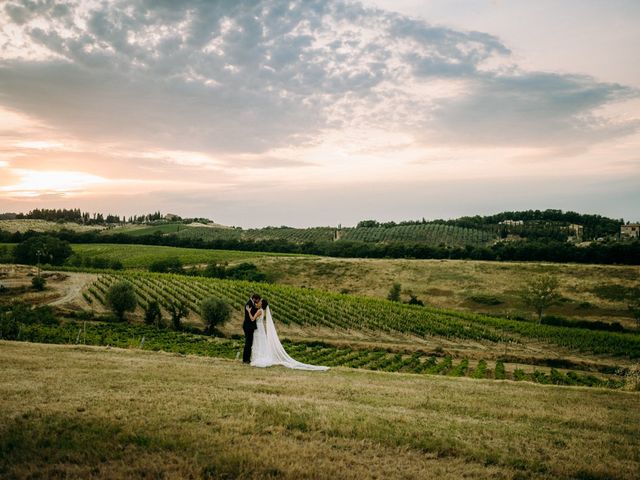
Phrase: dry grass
x=451 y=283
x=81 y=412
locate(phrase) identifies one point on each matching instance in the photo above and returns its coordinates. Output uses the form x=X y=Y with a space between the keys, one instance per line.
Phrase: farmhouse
x=630 y=230
x=511 y=222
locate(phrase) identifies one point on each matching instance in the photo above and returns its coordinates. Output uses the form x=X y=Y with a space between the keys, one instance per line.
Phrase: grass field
x=590 y=292
x=87 y=412
x=141 y=256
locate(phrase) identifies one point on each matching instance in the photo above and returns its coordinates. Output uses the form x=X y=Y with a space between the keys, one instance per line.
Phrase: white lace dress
x=268 y=351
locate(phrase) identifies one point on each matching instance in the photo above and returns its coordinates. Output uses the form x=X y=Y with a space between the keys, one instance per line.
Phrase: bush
x=178 y=311
x=43 y=249
x=245 y=271
x=152 y=314
x=167 y=265
x=121 y=298
x=394 y=292
x=485 y=299
x=38 y=283
x=215 y=312
x=414 y=300
x=9 y=328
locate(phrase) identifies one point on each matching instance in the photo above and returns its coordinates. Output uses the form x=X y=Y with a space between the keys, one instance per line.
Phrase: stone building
x=630 y=230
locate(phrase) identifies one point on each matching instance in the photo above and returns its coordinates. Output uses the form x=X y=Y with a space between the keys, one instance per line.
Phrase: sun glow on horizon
x=33 y=183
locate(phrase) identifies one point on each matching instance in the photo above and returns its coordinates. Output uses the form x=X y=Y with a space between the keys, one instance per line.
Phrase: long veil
x=278 y=354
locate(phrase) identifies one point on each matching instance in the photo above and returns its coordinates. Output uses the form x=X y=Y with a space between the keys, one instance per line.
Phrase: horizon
x=341 y=225
x=321 y=113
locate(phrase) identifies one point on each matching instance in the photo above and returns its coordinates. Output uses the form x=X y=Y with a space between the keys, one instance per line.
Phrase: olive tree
x=215 y=312
x=540 y=293
x=121 y=298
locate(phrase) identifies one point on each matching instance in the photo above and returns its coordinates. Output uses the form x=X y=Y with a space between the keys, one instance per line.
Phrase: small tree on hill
x=178 y=311
x=215 y=312
x=152 y=314
x=121 y=298
x=394 y=293
x=540 y=293
x=38 y=283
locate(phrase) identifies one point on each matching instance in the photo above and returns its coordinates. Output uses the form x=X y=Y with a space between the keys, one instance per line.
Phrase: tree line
x=625 y=253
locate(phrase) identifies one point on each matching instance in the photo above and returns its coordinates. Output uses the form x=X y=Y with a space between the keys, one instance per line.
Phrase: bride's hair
x=265 y=304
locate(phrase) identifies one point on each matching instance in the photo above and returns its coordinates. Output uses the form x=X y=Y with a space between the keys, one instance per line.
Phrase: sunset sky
x=320 y=112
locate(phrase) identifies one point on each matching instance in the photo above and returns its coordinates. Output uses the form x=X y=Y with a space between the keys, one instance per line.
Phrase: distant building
x=630 y=230
x=511 y=222
x=172 y=217
x=577 y=233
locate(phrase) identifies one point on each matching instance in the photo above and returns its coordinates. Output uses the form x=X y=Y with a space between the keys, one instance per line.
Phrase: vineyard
x=431 y=234
x=319 y=353
x=308 y=307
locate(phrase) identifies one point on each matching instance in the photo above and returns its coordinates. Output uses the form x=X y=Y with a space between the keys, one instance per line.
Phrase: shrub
x=38 y=283
x=485 y=299
x=42 y=249
x=214 y=312
x=121 y=298
x=394 y=292
x=152 y=314
x=245 y=271
x=178 y=311
x=9 y=328
x=414 y=300
x=500 y=372
x=167 y=265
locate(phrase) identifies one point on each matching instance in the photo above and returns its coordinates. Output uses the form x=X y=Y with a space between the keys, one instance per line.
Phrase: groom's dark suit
x=249 y=328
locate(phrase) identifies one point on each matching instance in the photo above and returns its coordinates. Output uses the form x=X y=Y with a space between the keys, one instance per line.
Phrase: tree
x=540 y=293
x=394 y=292
x=214 y=312
x=152 y=314
x=42 y=249
x=167 y=265
x=121 y=298
x=178 y=311
x=414 y=300
x=38 y=283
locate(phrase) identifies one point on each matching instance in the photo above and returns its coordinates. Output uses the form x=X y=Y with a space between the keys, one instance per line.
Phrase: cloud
x=246 y=77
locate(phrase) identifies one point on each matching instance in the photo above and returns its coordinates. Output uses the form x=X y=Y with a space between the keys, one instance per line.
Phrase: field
x=141 y=256
x=96 y=412
x=590 y=292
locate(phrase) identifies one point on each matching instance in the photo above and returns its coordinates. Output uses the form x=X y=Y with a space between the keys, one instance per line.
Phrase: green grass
x=141 y=256
x=140 y=230
x=81 y=412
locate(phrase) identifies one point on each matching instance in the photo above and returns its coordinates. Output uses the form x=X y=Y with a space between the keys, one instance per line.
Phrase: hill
x=106 y=413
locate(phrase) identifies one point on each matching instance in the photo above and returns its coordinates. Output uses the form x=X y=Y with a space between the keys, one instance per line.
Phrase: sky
x=315 y=112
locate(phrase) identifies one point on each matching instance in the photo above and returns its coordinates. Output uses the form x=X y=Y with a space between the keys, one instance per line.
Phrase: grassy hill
x=141 y=256
x=431 y=234
x=88 y=412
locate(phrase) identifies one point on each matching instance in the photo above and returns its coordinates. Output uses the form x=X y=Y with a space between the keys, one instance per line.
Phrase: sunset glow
x=307 y=113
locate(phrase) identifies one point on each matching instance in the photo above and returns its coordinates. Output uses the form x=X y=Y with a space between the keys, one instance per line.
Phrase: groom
x=249 y=326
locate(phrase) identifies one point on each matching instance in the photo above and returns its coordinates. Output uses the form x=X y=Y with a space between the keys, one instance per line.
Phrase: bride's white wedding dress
x=267 y=349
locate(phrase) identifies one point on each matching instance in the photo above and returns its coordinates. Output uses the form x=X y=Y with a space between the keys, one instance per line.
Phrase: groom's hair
x=255 y=297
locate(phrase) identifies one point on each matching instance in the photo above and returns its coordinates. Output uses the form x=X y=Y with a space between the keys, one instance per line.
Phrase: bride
x=267 y=349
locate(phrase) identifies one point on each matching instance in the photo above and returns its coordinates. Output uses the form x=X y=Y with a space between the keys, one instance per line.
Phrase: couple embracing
x=262 y=347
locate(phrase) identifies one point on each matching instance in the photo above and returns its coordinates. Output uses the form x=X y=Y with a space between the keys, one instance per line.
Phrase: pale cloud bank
x=199 y=95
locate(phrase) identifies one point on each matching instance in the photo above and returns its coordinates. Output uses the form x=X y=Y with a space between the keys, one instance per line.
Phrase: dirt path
x=71 y=288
